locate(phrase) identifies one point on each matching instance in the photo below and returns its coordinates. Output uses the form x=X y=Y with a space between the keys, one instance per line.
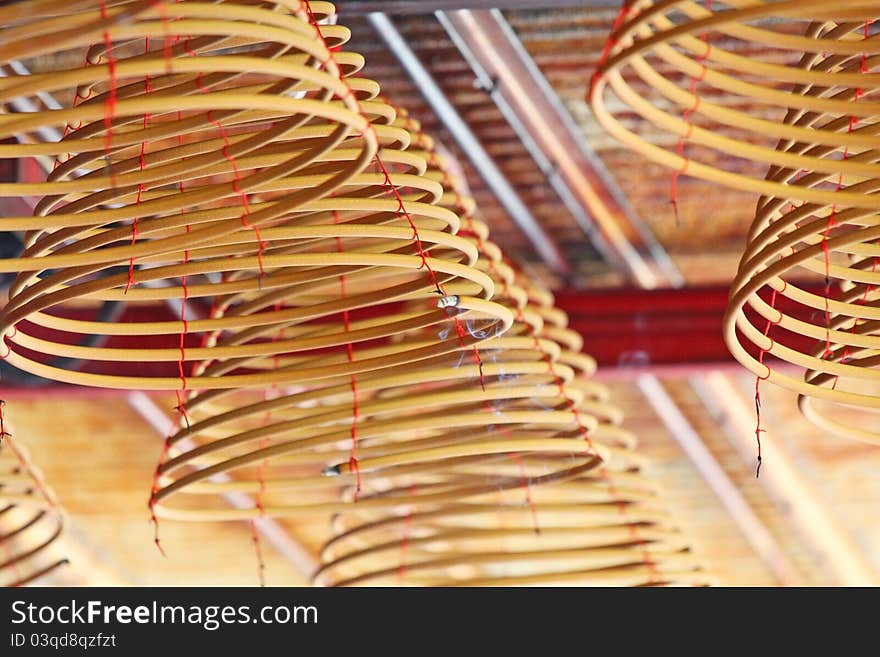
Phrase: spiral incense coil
x=571 y=533
x=366 y=422
x=30 y=520
x=809 y=274
x=717 y=78
x=783 y=305
x=833 y=337
x=221 y=155
x=538 y=321
x=600 y=528
x=441 y=411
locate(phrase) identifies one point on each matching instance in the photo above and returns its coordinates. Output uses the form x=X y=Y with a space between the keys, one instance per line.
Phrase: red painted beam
x=634 y=327
x=623 y=327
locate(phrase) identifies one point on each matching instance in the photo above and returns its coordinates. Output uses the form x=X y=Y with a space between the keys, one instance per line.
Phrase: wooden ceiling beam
x=780 y=477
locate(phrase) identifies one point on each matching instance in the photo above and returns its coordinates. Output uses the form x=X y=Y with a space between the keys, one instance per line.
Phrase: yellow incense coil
x=806 y=290
x=30 y=520
x=214 y=153
x=702 y=88
x=744 y=85
x=604 y=527
x=582 y=532
x=367 y=419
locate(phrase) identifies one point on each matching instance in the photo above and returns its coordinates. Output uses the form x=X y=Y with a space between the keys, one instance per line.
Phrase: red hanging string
x=3 y=433
x=180 y=395
x=686 y=117
x=245 y=203
x=610 y=42
x=142 y=164
x=167 y=42
x=353 y=462
x=828 y=352
x=166 y=49
x=110 y=102
x=258 y=550
x=831 y=223
x=401 y=206
x=758 y=427
x=460 y=330
x=154 y=519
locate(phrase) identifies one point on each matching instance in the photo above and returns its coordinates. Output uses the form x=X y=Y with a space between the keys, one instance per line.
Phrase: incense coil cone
x=805 y=293
x=30 y=520
x=718 y=78
x=604 y=527
x=370 y=428
x=250 y=170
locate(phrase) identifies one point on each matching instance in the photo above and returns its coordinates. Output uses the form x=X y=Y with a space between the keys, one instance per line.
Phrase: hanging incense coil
x=493 y=397
x=806 y=105
x=806 y=289
x=579 y=532
x=604 y=527
x=445 y=410
x=221 y=192
x=702 y=88
x=315 y=180
x=806 y=295
x=30 y=520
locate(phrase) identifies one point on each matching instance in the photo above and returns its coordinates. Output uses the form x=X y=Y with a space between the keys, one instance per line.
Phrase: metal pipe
x=523 y=95
x=400 y=7
x=467 y=140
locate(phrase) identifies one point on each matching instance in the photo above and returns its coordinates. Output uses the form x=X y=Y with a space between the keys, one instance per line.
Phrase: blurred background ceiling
x=564 y=44
x=599 y=228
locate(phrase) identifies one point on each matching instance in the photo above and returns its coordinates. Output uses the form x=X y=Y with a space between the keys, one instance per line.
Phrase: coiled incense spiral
x=367 y=417
x=216 y=155
x=717 y=78
x=604 y=527
x=806 y=292
x=792 y=86
x=30 y=520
